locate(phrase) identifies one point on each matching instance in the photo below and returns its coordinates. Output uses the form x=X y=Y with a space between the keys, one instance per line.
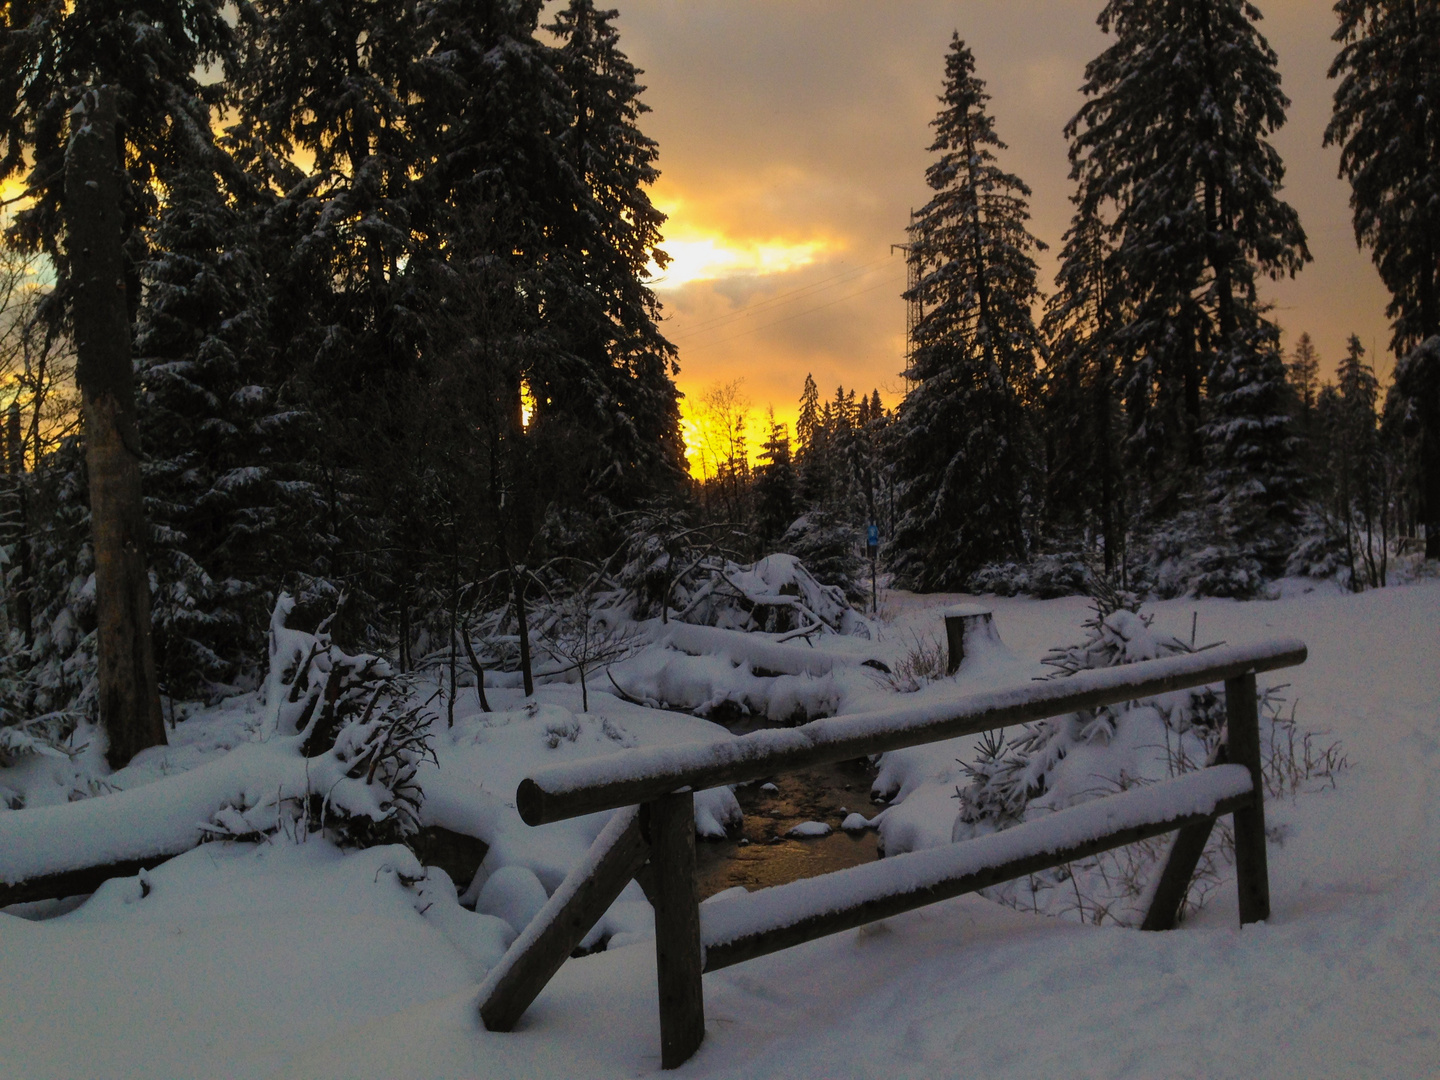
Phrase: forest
x=402 y=676
x=388 y=278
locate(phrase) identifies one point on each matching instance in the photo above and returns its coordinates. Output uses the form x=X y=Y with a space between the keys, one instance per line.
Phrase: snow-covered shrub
x=1185 y=557
x=362 y=736
x=777 y=594
x=1319 y=550
x=1062 y=573
x=830 y=548
x=1066 y=760
x=670 y=570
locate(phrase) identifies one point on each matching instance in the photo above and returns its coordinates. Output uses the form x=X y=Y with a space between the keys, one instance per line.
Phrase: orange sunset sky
x=792 y=147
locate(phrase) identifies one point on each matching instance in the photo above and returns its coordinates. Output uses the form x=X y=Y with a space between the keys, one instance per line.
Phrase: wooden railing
x=652 y=837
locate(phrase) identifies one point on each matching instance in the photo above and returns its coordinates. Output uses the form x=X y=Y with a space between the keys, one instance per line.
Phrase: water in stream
x=761 y=855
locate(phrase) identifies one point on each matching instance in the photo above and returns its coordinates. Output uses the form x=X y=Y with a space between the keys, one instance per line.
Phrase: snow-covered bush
x=1319 y=550
x=362 y=737
x=1062 y=573
x=1066 y=760
x=830 y=548
x=777 y=594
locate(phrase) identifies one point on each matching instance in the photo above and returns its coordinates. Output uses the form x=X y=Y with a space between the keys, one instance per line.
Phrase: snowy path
x=1343 y=982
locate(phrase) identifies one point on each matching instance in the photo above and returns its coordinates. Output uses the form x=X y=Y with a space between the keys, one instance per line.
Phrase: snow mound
x=512 y=893
x=807 y=830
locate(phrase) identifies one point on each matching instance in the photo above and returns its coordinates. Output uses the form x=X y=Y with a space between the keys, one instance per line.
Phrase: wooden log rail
x=652 y=837
x=637 y=776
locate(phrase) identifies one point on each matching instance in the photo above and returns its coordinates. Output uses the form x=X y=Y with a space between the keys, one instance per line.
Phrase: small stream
x=761 y=855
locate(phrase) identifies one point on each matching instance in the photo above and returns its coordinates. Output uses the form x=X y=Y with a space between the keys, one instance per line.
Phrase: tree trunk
x=517 y=579
x=129 y=694
x=17 y=527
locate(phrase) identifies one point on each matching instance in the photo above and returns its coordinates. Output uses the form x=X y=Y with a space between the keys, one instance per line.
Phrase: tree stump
x=969 y=628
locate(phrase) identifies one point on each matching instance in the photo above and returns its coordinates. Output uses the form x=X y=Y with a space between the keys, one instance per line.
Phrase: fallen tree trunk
x=48 y=852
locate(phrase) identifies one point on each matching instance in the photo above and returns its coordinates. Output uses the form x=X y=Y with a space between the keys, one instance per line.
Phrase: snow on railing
x=656 y=845
x=636 y=776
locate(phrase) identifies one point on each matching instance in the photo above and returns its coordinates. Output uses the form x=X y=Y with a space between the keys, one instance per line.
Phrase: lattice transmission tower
x=914 y=311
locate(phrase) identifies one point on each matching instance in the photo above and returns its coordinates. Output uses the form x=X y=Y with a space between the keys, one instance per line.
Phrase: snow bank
x=349 y=981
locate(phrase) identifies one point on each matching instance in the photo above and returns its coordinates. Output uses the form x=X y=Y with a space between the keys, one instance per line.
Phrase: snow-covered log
x=637 y=776
x=776 y=918
x=759 y=653
x=142 y=826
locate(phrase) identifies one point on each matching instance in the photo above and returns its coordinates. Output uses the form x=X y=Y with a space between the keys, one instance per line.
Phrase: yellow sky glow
x=695 y=257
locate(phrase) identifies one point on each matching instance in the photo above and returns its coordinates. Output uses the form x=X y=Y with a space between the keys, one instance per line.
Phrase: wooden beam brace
x=557 y=929
x=1171 y=887
x=1175 y=878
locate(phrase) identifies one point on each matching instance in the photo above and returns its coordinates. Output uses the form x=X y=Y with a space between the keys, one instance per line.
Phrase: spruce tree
x=1172 y=149
x=150 y=52
x=221 y=443
x=965 y=449
x=809 y=418
x=776 y=488
x=616 y=163
x=1387 y=124
x=1081 y=397
x=331 y=83
x=1412 y=421
x=1253 y=487
x=1303 y=372
x=1358 y=466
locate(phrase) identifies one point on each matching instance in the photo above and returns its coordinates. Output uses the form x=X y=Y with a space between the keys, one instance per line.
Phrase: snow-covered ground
x=296 y=960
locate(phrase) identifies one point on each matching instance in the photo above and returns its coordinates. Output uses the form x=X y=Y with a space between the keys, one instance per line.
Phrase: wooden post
x=678 y=962
x=129 y=696
x=966 y=628
x=1252 y=876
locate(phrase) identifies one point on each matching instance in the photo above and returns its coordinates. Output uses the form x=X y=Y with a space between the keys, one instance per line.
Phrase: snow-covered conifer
x=1173 y=146
x=1412 y=420
x=1253 y=486
x=152 y=52
x=1080 y=400
x=964 y=450
x=776 y=487
x=1387 y=125
x=616 y=163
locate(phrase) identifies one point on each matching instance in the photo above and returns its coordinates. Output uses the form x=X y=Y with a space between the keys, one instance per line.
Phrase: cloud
x=793 y=139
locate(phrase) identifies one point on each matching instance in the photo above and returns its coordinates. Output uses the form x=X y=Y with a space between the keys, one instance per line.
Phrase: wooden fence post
x=678 y=962
x=1252 y=876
